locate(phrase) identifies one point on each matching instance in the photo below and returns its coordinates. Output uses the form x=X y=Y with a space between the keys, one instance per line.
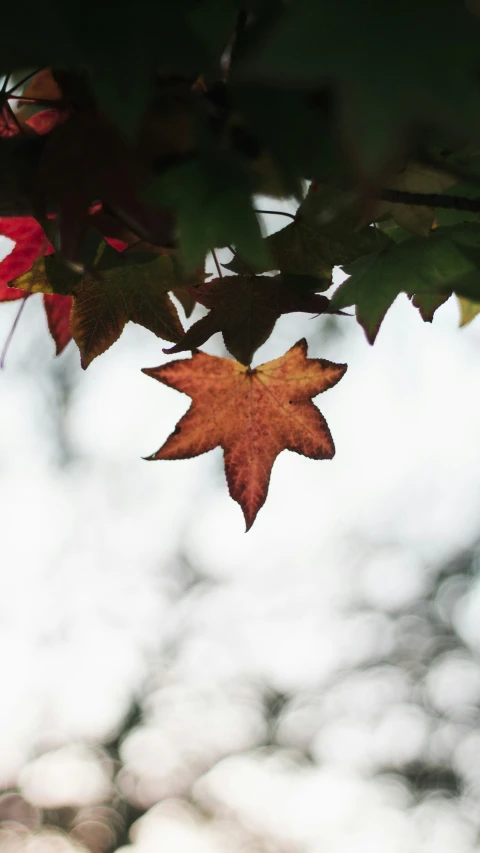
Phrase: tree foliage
x=133 y=145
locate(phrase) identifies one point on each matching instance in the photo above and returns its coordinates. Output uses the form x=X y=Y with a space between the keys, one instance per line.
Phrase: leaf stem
x=12 y=332
x=447 y=202
x=219 y=270
x=277 y=213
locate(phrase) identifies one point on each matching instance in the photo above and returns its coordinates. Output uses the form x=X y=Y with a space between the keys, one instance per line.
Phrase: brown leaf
x=107 y=298
x=252 y=414
x=468 y=310
x=245 y=309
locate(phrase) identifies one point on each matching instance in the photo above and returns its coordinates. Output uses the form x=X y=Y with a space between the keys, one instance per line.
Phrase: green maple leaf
x=445 y=263
x=211 y=198
x=393 y=67
x=323 y=235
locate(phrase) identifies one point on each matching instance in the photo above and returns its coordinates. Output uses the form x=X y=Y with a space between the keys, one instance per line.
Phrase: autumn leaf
x=253 y=414
x=58 y=309
x=468 y=310
x=186 y=299
x=245 y=309
x=45 y=121
x=119 y=289
x=30 y=242
x=40 y=88
x=85 y=161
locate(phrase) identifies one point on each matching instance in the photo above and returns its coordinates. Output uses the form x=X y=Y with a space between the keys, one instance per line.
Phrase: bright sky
x=87 y=573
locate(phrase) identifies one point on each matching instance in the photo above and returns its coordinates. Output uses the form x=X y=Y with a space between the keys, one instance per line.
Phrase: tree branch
x=446 y=202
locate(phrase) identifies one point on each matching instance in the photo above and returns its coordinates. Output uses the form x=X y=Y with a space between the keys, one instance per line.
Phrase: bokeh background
x=170 y=683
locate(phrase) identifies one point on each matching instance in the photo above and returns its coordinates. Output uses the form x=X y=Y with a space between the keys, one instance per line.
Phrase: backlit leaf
x=323 y=235
x=414 y=178
x=58 y=309
x=448 y=261
x=468 y=310
x=245 y=309
x=30 y=243
x=118 y=290
x=252 y=414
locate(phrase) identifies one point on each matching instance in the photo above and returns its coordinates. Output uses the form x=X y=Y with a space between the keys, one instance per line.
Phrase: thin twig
x=12 y=332
x=23 y=80
x=219 y=270
x=447 y=202
x=277 y=213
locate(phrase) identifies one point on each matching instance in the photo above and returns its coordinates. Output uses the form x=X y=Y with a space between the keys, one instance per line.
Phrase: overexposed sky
x=87 y=552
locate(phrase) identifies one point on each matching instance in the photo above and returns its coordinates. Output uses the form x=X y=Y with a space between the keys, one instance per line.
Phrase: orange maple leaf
x=252 y=413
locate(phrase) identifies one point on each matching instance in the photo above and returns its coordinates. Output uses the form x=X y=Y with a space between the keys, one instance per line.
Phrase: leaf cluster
x=132 y=146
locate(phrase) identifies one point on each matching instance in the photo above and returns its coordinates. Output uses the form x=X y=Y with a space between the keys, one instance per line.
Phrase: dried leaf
x=58 y=309
x=30 y=242
x=468 y=310
x=252 y=414
x=119 y=289
x=245 y=309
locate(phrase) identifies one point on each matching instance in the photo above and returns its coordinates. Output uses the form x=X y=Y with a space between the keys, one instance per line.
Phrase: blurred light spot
x=453 y=684
x=69 y=776
x=14 y=808
x=392 y=579
x=95 y=835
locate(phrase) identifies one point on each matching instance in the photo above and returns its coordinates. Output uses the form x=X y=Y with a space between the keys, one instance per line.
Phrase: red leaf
x=252 y=414
x=8 y=125
x=44 y=121
x=30 y=242
x=85 y=161
x=41 y=87
x=57 y=309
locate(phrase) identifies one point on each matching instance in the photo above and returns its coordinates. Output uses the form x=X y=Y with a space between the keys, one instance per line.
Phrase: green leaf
x=211 y=198
x=293 y=134
x=394 y=68
x=427 y=304
x=126 y=50
x=454 y=217
x=322 y=236
x=391 y=229
x=448 y=261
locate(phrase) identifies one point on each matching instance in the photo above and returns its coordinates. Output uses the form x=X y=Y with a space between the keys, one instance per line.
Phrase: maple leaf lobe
x=245 y=309
x=252 y=413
